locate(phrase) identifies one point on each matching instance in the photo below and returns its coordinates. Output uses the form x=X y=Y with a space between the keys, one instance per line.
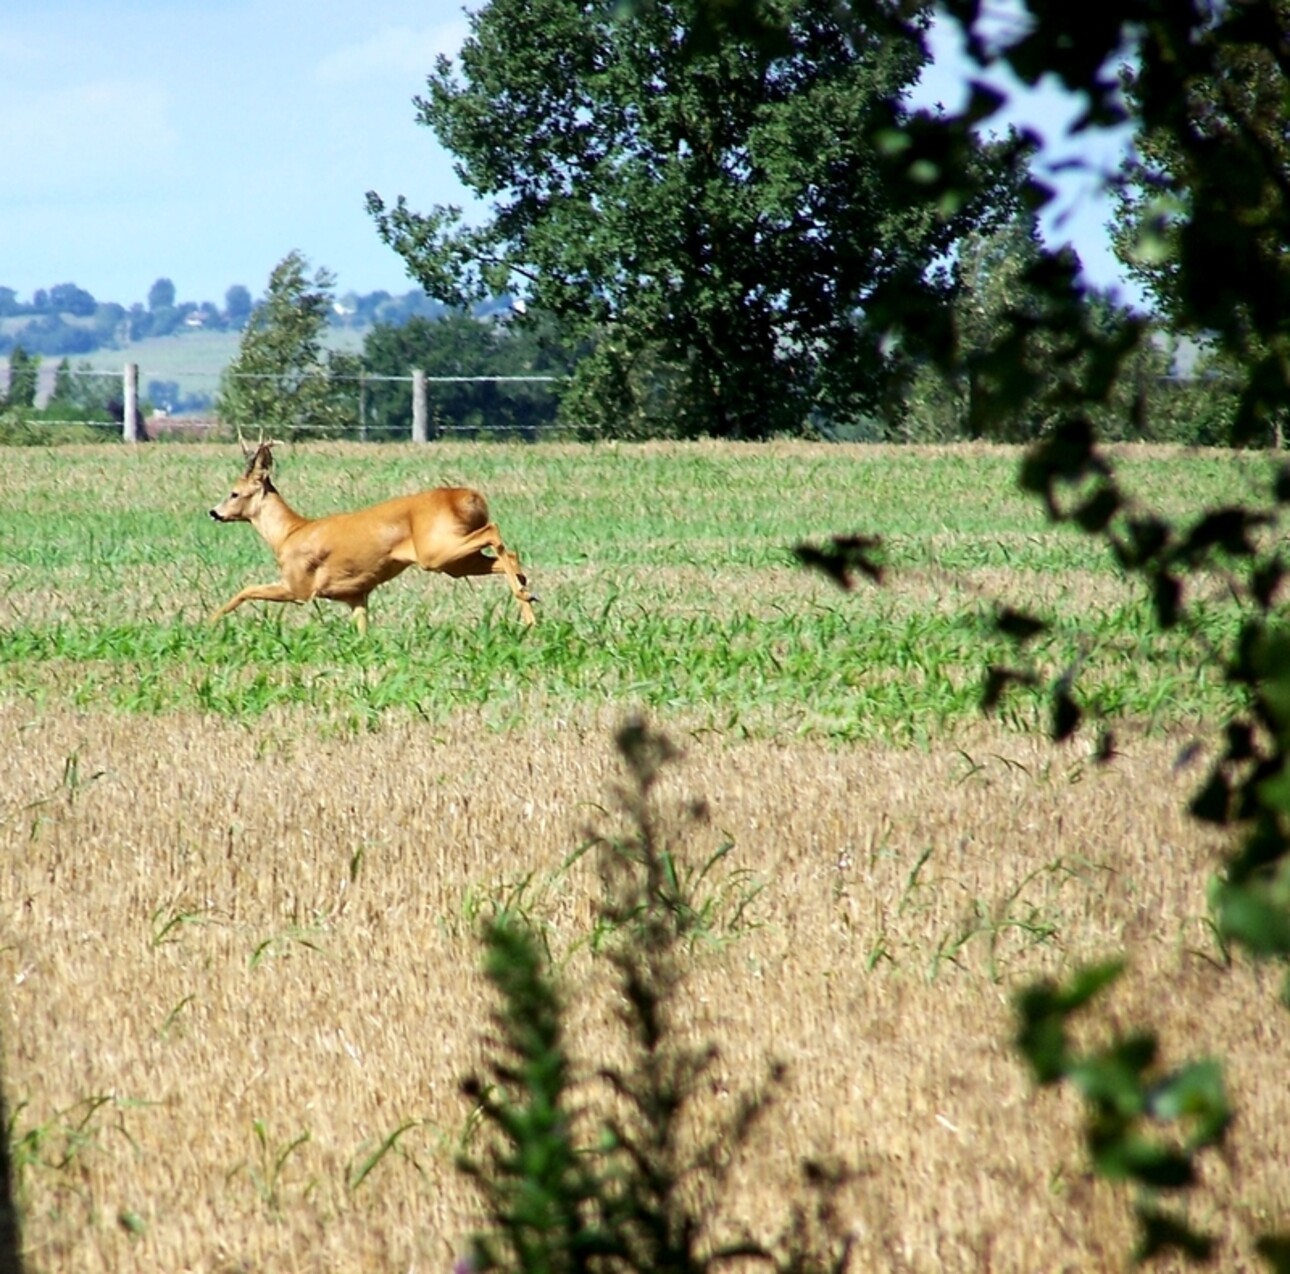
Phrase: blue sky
x=202 y=140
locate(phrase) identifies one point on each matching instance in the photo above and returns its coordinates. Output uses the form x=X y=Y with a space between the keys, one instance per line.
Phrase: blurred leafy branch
x=1205 y=224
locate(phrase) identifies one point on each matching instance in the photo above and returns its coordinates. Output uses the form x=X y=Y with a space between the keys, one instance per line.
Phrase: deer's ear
x=261 y=462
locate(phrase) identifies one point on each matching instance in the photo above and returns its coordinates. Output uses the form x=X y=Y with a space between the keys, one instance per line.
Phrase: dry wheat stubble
x=240 y=944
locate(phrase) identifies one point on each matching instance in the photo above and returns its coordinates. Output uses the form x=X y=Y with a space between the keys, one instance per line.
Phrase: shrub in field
x=607 y=1172
x=26 y=429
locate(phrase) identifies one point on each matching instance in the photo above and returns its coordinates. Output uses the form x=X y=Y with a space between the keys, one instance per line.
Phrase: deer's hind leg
x=463 y=555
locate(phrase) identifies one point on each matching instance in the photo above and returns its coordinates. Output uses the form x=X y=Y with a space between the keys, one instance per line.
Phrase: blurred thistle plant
x=603 y=1170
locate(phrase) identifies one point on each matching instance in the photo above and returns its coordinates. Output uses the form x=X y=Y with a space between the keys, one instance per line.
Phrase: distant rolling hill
x=192 y=360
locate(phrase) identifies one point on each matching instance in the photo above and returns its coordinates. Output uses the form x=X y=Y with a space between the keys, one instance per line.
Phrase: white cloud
x=106 y=134
x=393 y=52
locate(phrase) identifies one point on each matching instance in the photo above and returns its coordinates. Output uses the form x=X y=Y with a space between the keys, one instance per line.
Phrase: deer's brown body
x=345 y=556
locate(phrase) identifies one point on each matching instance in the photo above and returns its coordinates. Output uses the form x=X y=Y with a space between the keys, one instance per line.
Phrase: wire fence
x=179 y=401
x=180 y=404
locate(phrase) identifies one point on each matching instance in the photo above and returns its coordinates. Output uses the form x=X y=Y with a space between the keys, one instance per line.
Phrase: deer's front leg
x=279 y=592
x=359 y=607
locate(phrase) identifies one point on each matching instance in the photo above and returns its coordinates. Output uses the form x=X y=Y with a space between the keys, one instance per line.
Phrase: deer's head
x=243 y=502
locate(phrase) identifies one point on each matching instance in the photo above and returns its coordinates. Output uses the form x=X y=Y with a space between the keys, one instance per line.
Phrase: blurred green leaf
x=1247 y=916
x=1135 y=1158
x=1275 y=1250
x=1195 y=1092
x=1163 y=1234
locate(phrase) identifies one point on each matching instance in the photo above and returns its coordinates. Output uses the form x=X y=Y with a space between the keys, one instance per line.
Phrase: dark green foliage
x=460 y=345
x=82 y=394
x=161 y=295
x=1019 y=626
x=19 y=429
x=1234 y=108
x=711 y=215
x=845 y=555
x=995 y=373
x=10 y=1232
x=76 y=398
x=67 y=298
x=1245 y=789
x=594 y=1172
x=64 y=387
x=237 y=305
x=539 y=1191
x=1275 y=1250
x=22 y=423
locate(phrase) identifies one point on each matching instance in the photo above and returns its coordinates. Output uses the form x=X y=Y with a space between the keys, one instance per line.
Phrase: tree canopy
x=238 y=304
x=1236 y=103
x=24 y=371
x=711 y=215
x=161 y=295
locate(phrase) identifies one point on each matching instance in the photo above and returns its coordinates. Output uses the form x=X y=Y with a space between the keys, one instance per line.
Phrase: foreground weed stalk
x=10 y=1232
x=575 y=1177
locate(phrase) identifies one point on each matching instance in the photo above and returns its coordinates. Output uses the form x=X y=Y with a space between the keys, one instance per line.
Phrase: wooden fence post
x=419 y=413
x=131 y=422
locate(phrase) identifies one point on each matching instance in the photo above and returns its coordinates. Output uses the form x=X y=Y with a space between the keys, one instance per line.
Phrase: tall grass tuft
x=609 y=1171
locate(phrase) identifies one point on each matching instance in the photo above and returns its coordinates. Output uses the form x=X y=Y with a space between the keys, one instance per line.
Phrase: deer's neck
x=276 y=520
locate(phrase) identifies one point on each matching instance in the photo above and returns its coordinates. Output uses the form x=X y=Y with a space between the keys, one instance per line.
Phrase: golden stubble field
x=239 y=949
x=189 y=940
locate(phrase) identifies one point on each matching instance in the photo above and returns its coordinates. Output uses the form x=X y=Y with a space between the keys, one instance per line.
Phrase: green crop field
x=245 y=865
x=666 y=575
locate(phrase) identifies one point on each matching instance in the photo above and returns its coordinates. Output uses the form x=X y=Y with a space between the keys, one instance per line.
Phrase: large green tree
x=710 y=214
x=283 y=381
x=1240 y=102
x=1235 y=112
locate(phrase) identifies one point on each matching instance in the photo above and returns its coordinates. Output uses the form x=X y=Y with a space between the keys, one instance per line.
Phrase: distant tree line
x=79 y=394
x=68 y=320
x=287 y=379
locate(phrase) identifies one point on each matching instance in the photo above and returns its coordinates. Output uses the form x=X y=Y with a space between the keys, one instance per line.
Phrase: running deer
x=343 y=557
